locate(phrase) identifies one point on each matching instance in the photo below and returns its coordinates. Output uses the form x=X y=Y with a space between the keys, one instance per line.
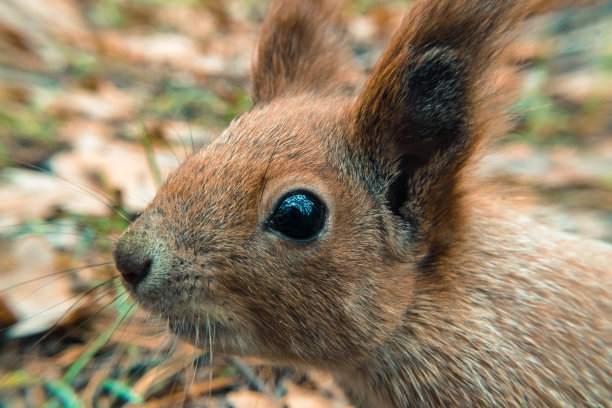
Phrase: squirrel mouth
x=200 y=335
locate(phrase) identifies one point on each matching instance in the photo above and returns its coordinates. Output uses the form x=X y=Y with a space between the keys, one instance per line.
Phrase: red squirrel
x=337 y=226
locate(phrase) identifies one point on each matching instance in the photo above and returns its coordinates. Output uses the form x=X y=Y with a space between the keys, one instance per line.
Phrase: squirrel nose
x=133 y=266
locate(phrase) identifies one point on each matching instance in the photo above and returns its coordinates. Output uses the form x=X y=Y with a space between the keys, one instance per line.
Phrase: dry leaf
x=251 y=399
x=38 y=296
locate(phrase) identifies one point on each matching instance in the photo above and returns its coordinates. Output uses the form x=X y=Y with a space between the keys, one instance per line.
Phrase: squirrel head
x=281 y=250
x=305 y=232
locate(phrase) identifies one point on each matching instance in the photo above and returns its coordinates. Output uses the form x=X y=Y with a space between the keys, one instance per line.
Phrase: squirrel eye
x=299 y=216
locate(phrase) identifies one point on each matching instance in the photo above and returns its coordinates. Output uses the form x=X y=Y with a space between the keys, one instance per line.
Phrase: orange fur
x=418 y=291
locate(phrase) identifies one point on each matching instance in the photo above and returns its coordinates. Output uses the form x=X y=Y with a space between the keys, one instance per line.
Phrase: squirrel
x=337 y=226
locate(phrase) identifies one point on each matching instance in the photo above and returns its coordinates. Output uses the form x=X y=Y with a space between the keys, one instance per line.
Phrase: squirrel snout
x=134 y=266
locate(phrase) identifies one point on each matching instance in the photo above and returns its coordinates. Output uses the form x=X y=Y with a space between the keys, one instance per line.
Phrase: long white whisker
x=62 y=272
x=100 y=197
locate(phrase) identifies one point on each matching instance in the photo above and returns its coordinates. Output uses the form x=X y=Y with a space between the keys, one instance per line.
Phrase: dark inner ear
x=433 y=104
x=398 y=189
x=430 y=119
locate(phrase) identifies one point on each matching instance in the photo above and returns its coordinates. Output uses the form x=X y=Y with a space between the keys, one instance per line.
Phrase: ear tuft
x=301 y=49
x=420 y=116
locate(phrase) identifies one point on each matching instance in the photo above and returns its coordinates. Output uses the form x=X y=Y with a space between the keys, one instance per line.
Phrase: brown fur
x=418 y=291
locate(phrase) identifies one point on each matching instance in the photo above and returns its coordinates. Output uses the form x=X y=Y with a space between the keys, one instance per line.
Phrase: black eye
x=300 y=216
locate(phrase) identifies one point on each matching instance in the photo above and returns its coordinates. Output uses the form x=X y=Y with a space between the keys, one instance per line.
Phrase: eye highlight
x=300 y=216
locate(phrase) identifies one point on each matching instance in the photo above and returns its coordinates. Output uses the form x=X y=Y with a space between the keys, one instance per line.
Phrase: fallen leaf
x=251 y=399
x=39 y=297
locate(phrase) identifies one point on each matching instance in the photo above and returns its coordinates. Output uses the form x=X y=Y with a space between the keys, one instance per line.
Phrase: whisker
x=79 y=296
x=193 y=149
x=194 y=359
x=185 y=152
x=96 y=344
x=156 y=358
x=59 y=322
x=62 y=272
x=35 y=227
x=151 y=161
x=82 y=296
x=99 y=196
x=169 y=146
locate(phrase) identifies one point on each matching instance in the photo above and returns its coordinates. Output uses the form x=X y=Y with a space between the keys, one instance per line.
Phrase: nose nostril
x=146 y=265
x=133 y=267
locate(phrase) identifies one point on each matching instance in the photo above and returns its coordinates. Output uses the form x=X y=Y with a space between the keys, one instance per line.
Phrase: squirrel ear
x=421 y=112
x=300 y=49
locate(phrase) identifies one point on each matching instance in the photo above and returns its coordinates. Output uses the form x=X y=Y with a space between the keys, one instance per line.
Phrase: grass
x=197 y=105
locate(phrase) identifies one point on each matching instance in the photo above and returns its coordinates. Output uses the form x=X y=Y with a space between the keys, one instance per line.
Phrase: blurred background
x=100 y=99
